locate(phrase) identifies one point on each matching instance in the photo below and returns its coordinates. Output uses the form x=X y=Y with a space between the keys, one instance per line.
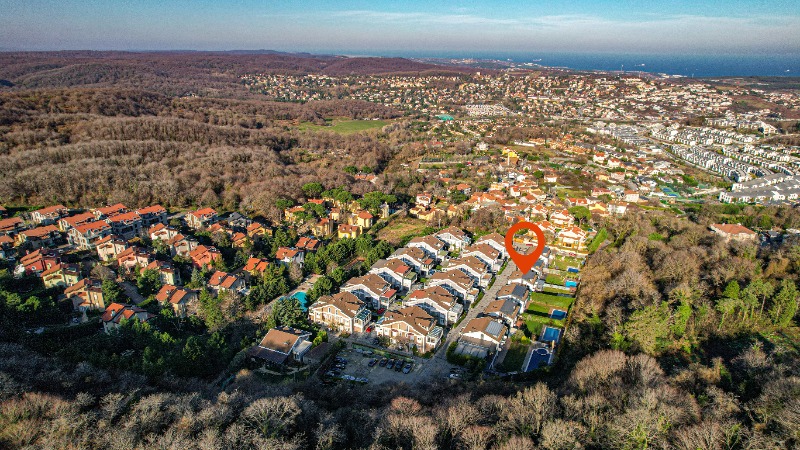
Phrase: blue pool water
x=301 y=296
x=558 y=314
x=571 y=284
x=551 y=334
x=539 y=358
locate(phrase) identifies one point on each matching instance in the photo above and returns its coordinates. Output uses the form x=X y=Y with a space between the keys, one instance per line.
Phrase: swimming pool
x=540 y=357
x=550 y=334
x=558 y=314
x=301 y=296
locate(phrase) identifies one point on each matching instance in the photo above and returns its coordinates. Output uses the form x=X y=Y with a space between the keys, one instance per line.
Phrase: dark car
x=399 y=366
x=376 y=341
x=407 y=368
x=372 y=362
x=383 y=362
x=390 y=364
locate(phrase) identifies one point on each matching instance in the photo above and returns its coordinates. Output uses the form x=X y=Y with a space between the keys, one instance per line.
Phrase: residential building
x=411 y=326
x=180 y=245
x=482 y=336
x=348 y=231
x=472 y=267
x=289 y=256
x=561 y=219
x=126 y=225
x=257 y=229
x=282 y=344
x=36 y=262
x=86 y=294
x=414 y=257
x=202 y=218
x=88 y=235
x=49 y=215
x=203 y=256
x=340 y=312
x=455 y=238
x=117 y=312
x=437 y=302
x=530 y=279
x=256 y=265
x=61 y=275
x=11 y=226
x=363 y=220
x=308 y=244
x=222 y=282
x=166 y=272
x=44 y=236
x=151 y=215
x=505 y=310
x=110 y=247
x=65 y=223
x=432 y=247
x=108 y=211
x=572 y=238
x=183 y=301
x=487 y=254
x=373 y=289
x=457 y=283
x=396 y=272
x=733 y=231
x=133 y=257
x=162 y=232
x=323 y=228
x=517 y=292
x=496 y=241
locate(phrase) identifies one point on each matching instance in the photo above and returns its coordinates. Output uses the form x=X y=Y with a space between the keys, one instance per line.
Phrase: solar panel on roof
x=494 y=328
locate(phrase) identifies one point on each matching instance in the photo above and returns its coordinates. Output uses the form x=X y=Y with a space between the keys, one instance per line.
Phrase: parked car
x=407 y=368
x=390 y=364
x=399 y=366
x=372 y=362
x=383 y=362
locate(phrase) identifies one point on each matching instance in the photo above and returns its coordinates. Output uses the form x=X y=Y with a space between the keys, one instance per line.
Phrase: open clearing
x=399 y=229
x=344 y=126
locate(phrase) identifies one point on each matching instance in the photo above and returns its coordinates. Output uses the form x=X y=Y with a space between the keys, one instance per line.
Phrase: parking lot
x=358 y=367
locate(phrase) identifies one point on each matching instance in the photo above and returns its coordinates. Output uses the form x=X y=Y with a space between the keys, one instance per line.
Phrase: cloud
x=421 y=18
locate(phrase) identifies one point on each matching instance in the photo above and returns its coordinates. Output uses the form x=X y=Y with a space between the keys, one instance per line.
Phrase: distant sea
x=685 y=65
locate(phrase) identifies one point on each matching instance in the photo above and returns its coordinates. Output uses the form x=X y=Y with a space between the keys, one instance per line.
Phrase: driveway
x=132 y=292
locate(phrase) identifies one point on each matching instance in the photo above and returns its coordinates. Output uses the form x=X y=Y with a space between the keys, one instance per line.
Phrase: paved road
x=132 y=292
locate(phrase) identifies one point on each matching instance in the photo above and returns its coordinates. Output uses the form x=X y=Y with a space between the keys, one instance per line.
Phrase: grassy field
x=402 y=230
x=344 y=126
x=554 y=279
x=552 y=300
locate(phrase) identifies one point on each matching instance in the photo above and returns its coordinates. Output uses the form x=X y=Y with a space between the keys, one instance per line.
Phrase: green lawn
x=555 y=301
x=598 y=239
x=552 y=290
x=564 y=262
x=535 y=322
x=515 y=355
x=554 y=279
x=344 y=126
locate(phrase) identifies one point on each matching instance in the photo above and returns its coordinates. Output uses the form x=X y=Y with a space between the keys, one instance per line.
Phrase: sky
x=413 y=27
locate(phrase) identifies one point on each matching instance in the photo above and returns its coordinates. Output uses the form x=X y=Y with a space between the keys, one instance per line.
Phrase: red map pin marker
x=525 y=262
